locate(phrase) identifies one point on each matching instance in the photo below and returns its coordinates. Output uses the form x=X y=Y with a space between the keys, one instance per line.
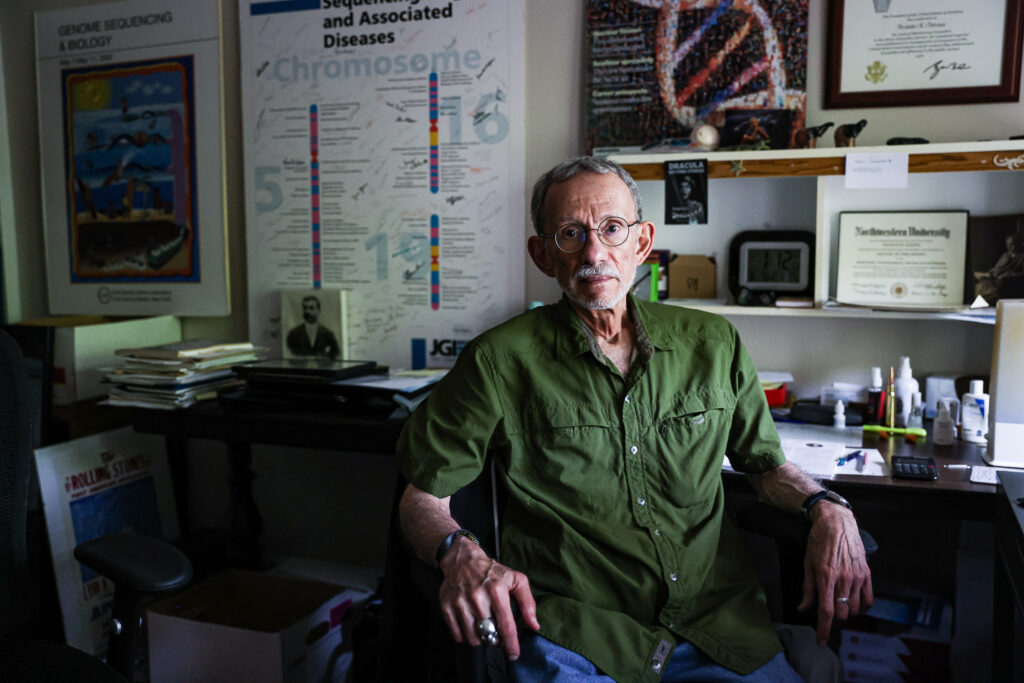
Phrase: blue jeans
x=541 y=660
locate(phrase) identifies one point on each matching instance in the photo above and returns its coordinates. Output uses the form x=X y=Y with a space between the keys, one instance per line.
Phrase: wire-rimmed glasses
x=612 y=231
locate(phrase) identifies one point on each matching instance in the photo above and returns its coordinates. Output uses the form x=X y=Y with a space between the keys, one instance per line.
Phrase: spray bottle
x=906 y=385
x=943 y=430
x=876 y=399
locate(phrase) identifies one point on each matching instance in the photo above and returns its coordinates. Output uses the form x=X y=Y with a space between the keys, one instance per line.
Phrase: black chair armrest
x=141 y=563
x=789 y=531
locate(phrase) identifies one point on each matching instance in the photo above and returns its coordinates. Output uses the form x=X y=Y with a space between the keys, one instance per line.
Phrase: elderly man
x=608 y=418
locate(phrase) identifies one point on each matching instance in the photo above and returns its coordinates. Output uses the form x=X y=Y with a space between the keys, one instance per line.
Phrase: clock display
x=773 y=265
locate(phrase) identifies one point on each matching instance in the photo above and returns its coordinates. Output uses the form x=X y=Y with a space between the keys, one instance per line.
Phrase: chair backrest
x=15 y=464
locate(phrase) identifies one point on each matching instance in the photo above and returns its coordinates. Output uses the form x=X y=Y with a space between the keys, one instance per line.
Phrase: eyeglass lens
x=611 y=231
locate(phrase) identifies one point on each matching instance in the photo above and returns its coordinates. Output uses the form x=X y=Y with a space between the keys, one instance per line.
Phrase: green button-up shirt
x=615 y=499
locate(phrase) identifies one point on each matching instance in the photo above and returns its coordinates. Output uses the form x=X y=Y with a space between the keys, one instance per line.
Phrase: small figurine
x=808 y=137
x=847 y=133
x=906 y=141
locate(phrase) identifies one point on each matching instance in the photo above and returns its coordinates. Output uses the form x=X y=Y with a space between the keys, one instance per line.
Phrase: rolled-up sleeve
x=445 y=442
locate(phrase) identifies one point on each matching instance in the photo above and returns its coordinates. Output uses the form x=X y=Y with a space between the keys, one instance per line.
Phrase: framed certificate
x=902 y=259
x=922 y=52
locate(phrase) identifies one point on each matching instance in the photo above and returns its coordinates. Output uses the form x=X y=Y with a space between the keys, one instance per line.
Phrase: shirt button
x=673 y=576
x=657 y=532
x=641 y=500
x=633 y=450
x=627 y=399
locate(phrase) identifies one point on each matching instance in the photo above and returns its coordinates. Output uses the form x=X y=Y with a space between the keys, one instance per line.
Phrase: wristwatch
x=824 y=494
x=449 y=539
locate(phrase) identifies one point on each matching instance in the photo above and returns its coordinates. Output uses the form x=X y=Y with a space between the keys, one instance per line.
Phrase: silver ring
x=487 y=631
x=843 y=601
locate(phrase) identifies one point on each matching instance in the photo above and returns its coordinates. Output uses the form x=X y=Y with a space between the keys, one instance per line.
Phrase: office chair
x=137 y=565
x=417 y=645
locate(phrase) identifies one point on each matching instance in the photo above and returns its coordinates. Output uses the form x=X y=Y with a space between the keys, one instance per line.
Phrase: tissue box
x=247 y=626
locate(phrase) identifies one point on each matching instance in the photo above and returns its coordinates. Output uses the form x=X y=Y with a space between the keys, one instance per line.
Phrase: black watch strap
x=449 y=539
x=824 y=494
x=811 y=500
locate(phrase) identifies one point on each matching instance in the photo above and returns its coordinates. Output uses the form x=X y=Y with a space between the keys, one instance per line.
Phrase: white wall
x=822 y=349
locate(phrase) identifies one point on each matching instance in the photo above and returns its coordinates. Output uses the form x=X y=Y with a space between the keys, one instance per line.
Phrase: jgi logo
x=447 y=347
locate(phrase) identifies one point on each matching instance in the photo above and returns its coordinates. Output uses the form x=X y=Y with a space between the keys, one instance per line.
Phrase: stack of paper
x=176 y=375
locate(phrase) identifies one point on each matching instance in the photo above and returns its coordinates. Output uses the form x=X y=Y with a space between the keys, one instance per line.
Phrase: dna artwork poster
x=658 y=69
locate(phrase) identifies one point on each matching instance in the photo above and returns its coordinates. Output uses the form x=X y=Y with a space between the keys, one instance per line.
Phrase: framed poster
x=130 y=120
x=384 y=156
x=923 y=52
x=902 y=259
x=657 y=70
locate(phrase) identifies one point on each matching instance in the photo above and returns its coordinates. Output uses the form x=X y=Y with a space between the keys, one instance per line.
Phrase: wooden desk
x=1008 y=591
x=891 y=508
x=240 y=427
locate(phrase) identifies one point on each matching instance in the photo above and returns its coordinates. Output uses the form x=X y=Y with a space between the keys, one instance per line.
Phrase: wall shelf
x=805 y=187
x=989 y=155
x=981 y=316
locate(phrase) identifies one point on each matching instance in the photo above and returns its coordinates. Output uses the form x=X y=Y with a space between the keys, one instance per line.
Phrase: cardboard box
x=84 y=345
x=692 y=276
x=247 y=626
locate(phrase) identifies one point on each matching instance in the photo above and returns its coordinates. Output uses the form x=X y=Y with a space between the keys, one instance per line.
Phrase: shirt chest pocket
x=691 y=441
x=568 y=456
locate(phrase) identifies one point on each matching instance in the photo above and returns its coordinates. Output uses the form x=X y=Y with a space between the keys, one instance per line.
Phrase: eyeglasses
x=571 y=237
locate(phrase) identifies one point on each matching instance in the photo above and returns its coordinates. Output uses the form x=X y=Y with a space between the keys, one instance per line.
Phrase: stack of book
x=176 y=375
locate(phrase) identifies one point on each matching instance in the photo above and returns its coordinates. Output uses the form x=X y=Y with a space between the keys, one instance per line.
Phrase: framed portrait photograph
x=997 y=257
x=922 y=52
x=902 y=259
x=314 y=323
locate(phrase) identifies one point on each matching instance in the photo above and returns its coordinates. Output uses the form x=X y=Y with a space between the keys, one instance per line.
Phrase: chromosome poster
x=384 y=156
x=131 y=122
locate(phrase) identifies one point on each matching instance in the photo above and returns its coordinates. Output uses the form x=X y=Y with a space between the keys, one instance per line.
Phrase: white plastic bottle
x=839 y=416
x=974 y=413
x=906 y=385
x=943 y=429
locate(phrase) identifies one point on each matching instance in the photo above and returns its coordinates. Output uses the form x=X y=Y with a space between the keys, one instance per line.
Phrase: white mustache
x=605 y=269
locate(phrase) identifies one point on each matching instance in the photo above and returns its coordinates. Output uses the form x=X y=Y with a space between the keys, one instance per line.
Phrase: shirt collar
x=575 y=337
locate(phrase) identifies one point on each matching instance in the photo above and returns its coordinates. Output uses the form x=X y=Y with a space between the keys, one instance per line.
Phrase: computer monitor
x=1006 y=393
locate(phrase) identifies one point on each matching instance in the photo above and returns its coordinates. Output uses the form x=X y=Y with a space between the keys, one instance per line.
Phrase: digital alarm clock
x=764 y=264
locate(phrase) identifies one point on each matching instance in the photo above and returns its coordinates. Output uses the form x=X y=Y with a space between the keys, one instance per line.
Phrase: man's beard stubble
x=601 y=302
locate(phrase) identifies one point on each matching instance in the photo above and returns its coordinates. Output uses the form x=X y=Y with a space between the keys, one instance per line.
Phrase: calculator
x=913 y=467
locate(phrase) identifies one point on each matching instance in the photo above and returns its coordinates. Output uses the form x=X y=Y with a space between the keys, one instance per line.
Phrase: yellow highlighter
x=912 y=433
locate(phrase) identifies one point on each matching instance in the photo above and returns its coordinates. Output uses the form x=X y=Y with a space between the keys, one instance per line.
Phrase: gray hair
x=573 y=167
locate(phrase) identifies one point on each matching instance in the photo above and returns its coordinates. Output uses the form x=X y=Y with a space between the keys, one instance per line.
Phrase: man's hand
x=477 y=587
x=835 y=567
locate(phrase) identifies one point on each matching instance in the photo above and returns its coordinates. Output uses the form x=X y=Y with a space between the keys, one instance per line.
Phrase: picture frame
x=895 y=53
x=996 y=257
x=904 y=260
x=314 y=324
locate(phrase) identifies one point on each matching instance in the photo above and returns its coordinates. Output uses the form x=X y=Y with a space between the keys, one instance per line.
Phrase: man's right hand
x=476 y=587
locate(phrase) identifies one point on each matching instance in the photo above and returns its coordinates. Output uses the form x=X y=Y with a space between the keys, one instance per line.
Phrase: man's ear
x=539 y=253
x=644 y=241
